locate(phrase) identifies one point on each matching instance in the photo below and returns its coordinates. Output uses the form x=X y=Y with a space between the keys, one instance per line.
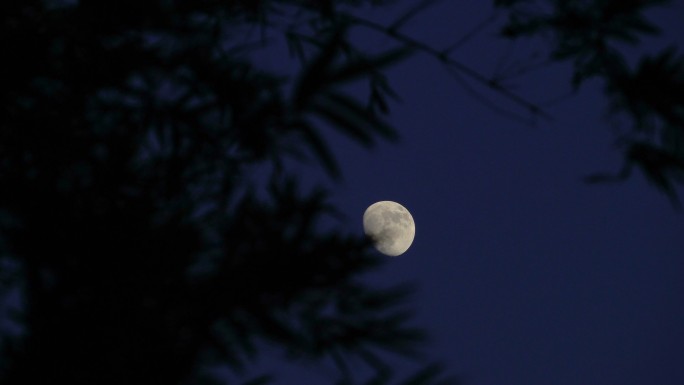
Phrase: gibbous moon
x=390 y=226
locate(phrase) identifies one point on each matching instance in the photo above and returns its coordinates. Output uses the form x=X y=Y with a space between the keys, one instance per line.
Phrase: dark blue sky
x=526 y=275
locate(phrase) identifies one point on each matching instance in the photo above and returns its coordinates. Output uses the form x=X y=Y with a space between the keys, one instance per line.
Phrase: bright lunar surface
x=390 y=226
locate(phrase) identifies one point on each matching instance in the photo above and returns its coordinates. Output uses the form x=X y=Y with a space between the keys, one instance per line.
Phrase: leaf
x=658 y=166
x=640 y=25
x=359 y=300
x=316 y=72
x=343 y=122
x=428 y=375
x=320 y=149
x=518 y=28
x=352 y=118
x=366 y=66
x=295 y=46
x=672 y=139
x=380 y=82
x=377 y=101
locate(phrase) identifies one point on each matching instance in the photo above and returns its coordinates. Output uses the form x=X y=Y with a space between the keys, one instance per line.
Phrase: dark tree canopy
x=149 y=211
x=147 y=247
x=646 y=99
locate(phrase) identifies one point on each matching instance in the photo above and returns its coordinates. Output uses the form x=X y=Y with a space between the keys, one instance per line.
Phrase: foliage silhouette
x=587 y=34
x=651 y=95
x=149 y=201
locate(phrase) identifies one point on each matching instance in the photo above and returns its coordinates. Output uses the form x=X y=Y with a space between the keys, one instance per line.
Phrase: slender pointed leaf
x=366 y=66
x=315 y=74
x=320 y=149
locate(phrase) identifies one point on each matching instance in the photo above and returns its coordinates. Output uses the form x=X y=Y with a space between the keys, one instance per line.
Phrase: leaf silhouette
x=352 y=118
x=362 y=66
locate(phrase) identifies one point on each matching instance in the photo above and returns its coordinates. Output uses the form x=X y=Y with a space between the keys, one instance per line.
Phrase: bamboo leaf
x=352 y=118
x=425 y=376
x=367 y=66
x=316 y=72
x=320 y=149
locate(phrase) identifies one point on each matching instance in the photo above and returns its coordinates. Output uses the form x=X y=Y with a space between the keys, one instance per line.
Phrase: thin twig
x=341 y=364
x=469 y=35
x=485 y=101
x=411 y=13
x=451 y=62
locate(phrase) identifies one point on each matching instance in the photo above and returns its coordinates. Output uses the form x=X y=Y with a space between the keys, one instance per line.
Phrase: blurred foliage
x=649 y=94
x=149 y=204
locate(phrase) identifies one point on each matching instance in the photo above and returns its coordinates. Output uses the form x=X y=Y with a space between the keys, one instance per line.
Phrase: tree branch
x=443 y=56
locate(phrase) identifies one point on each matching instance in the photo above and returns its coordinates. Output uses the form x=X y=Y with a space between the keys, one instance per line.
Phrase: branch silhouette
x=586 y=34
x=454 y=65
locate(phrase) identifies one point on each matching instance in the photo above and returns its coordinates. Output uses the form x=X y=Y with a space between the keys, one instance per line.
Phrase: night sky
x=525 y=274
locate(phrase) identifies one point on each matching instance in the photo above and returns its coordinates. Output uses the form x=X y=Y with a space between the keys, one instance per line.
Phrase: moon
x=390 y=226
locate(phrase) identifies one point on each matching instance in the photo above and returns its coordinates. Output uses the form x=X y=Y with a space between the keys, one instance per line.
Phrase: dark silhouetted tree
x=646 y=99
x=149 y=204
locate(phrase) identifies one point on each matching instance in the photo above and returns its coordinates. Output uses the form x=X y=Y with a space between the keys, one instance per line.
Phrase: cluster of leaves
x=651 y=94
x=148 y=246
x=584 y=32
